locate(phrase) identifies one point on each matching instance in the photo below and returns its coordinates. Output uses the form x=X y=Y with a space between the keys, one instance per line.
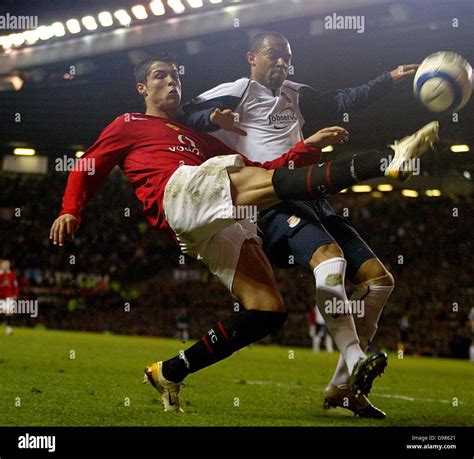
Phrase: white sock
x=316 y=343
x=374 y=297
x=328 y=342
x=330 y=295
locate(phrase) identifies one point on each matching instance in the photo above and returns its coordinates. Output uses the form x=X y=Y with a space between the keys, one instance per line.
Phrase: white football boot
x=409 y=148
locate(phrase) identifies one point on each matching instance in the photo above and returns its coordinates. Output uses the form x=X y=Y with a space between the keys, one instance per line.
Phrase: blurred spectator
x=117 y=259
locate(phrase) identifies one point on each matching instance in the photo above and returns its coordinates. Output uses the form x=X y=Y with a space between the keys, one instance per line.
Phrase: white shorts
x=198 y=207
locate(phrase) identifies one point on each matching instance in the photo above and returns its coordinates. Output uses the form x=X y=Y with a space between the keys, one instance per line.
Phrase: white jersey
x=273 y=121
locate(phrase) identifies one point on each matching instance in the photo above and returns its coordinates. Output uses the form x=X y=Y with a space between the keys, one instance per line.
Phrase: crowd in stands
x=121 y=276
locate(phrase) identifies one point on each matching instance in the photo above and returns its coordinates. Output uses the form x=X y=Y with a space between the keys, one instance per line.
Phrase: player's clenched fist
x=64 y=226
x=327 y=136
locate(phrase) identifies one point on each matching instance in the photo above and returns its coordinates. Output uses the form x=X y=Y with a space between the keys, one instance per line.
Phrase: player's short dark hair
x=142 y=69
x=256 y=43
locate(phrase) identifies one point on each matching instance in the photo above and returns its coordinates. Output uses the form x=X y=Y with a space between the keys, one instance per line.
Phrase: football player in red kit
x=8 y=291
x=192 y=185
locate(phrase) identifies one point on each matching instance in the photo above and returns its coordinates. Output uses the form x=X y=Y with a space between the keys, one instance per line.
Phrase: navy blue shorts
x=298 y=228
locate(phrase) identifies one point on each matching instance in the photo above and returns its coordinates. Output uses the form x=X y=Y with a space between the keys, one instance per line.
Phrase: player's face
x=271 y=64
x=163 y=87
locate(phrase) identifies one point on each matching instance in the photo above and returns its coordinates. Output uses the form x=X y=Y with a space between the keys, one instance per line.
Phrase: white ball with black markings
x=443 y=82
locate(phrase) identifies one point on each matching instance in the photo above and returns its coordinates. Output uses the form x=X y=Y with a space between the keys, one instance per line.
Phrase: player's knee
x=265 y=301
x=385 y=280
x=324 y=253
x=373 y=272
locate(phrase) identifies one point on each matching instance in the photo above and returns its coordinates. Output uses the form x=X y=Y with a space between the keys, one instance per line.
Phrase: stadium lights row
x=104 y=19
x=453 y=148
x=387 y=187
x=356 y=188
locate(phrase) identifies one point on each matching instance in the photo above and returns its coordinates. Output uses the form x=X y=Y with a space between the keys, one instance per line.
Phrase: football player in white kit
x=269 y=112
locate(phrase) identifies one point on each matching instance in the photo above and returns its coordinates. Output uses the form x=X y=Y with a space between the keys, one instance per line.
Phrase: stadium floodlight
x=45 y=32
x=73 y=26
x=139 y=12
x=195 y=3
x=31 y=36
x=105 y=19
x=78 y=153
x=58 y=29
x=467 y=175
x=24 y=151
x=215 y=1
x=361 y=188
x=177 y=6
x=123 y=17
x=89 y=23
x=7 y=41
x=18 y=39
x=410 y=193
x=328 y=149
x=385 y=187
x=434 y=192
x=11 y=83
x=157 y=8
x=459 y=148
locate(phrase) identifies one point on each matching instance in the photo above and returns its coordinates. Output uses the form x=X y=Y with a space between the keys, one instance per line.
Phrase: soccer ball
x=443 y=82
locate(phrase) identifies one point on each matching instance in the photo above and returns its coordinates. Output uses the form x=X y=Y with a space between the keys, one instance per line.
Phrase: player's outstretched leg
x=255 y=287
x=255 y=186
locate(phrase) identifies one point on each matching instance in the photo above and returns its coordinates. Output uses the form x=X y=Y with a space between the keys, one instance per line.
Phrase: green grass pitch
x=258 y=386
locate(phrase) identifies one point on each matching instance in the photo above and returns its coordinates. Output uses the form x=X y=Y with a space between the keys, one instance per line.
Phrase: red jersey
x=8 y=284
x=149 y=149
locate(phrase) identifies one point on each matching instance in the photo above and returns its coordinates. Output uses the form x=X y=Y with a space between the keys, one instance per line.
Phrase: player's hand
x=226 y=119
x=402 y=72
x=327 y=136
x=64 y=226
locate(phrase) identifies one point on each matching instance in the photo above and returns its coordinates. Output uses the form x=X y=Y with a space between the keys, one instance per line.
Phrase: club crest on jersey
x=293 y=221
x=172 y=126
x=283 y=119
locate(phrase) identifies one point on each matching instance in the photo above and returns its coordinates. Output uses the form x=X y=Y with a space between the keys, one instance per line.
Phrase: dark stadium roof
x=57 y=114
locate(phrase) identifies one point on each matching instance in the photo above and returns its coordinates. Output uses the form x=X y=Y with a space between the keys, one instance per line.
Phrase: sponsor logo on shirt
x=188 y=144
x=283 y=119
